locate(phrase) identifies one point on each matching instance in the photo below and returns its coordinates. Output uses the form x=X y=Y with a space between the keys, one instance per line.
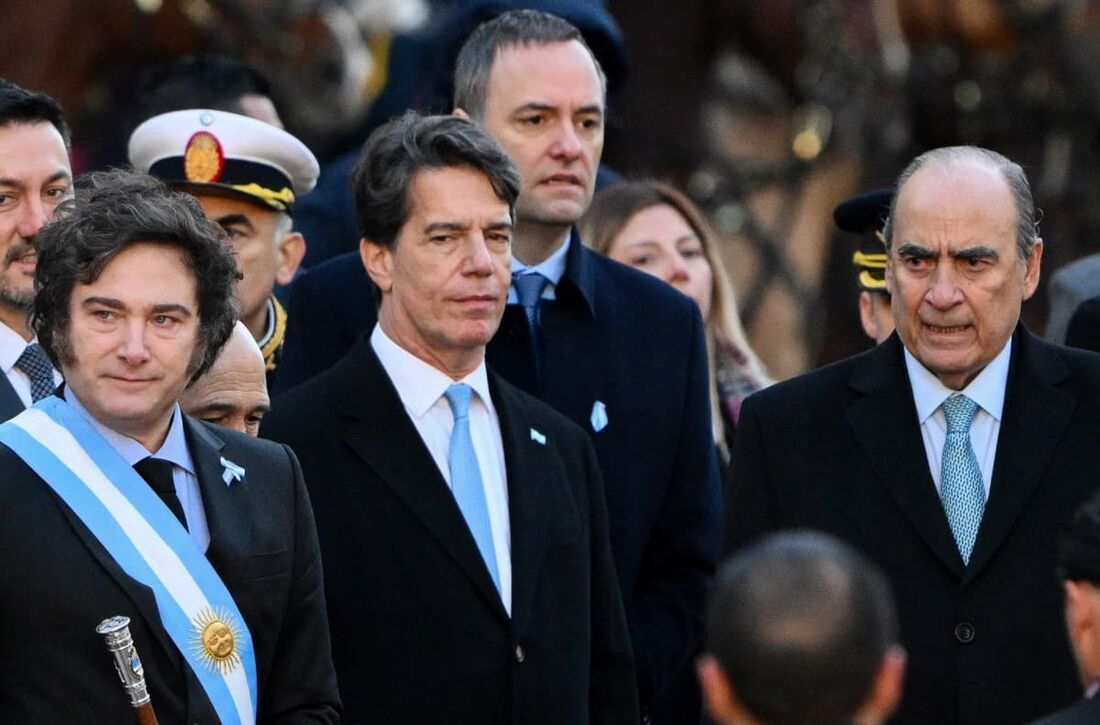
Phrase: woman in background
x=652 y=227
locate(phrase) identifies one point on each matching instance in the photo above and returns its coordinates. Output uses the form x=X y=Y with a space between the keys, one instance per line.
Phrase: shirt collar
x=12 y=346
x=552 y=268
x=987 y=389
x=174 y=449
x=419 y=385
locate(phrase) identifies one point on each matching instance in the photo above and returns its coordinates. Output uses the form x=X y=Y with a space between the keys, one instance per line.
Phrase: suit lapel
x=1036 y=414
x=380 y=432
x=528 y=508
x=228 y=514
x=884 y=419
x=10 y=404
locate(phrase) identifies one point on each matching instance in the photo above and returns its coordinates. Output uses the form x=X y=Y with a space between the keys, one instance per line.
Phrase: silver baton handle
x=116 y=632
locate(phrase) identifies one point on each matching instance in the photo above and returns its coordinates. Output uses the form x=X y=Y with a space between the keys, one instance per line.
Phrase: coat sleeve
x=613 y=694
x=667 y=607
x=301 y=687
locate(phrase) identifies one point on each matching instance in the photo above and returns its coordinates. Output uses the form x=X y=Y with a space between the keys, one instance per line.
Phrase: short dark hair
x=112 y=211
x=18 y=105
x=1027 y=223
x=800 y=623
x=507 y=30
x=397 y=150
x=198 y=81
x=1079 y=549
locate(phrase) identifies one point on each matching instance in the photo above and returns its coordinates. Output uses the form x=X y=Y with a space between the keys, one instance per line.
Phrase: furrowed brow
x=915 y=251
x=974 y=254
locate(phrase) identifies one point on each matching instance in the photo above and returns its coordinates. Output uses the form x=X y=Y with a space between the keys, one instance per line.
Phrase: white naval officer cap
x=225 y=153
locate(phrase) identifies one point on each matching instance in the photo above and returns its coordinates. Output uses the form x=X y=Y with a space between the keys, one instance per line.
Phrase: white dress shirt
x=421 y=387
x=12 y=346
x=987 y=390
x=174 y=450
x=552 y=268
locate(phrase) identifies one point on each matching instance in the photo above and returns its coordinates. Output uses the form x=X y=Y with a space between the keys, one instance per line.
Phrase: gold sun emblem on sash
x=214 y=639
x=203 y=159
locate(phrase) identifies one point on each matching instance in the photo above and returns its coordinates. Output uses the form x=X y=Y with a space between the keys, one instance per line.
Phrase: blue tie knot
x=529 y=288
x=959 y=411
x=458 y=395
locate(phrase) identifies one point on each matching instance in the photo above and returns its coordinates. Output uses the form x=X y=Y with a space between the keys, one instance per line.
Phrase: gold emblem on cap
x=203 y=159
x=214 y=640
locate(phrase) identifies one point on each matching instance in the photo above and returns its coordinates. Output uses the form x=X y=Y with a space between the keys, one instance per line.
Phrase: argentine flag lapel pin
x=232 y=472
x=538 y=437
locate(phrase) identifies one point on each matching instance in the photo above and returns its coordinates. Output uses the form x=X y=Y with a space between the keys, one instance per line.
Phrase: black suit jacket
x=616 y=336
x=419 y=632
x=57 y=582
x=1083 y=712
x=840 y=450
x=10 y=404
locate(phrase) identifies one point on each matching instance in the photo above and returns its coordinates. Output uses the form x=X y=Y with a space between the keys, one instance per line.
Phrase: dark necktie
x=37 y=367
x=158 y=474
x=529 y=287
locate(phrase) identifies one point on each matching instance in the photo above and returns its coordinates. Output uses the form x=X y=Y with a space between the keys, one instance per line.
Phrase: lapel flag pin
x=232 y=472
x=599 y=416
x=538 y=437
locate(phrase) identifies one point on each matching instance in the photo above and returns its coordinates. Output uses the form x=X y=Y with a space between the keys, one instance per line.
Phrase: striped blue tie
x=961 y=487
x=466 y=482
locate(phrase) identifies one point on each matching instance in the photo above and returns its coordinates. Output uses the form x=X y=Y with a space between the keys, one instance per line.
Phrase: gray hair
x=508 y=30
x=397 y=150
x=1027 y=224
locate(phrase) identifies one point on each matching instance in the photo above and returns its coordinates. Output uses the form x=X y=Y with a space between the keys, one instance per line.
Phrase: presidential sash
x=147 y=541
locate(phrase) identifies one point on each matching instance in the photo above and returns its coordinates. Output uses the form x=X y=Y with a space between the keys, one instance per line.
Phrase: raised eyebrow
x=975 y=253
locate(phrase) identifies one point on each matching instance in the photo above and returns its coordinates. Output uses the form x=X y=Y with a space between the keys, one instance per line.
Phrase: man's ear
x=378 y=261
x=1034 y=267
x=461 y=113
x=886 y=690
x=292 y=249
x=721 y=703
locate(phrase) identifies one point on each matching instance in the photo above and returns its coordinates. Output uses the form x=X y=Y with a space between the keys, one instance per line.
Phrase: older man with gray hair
x=951 y=454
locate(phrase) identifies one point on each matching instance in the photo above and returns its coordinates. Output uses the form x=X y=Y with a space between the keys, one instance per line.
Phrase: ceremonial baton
x=116 y=632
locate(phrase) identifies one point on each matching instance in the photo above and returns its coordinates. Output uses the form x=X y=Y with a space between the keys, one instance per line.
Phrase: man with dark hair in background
x=462 y=521
x=112 y=502
x=1079 y=570
x=802 y=629
x=218 y=82
x=35 y=177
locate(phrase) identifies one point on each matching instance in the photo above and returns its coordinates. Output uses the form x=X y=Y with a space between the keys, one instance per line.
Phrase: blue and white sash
x=148 y=542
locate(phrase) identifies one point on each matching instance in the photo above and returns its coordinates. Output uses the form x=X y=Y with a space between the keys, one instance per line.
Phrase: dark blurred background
x=767 y=113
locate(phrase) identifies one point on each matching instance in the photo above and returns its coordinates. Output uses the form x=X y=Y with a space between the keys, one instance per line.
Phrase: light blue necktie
x=466 y=482
x=529 y=288
x=961 y=487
